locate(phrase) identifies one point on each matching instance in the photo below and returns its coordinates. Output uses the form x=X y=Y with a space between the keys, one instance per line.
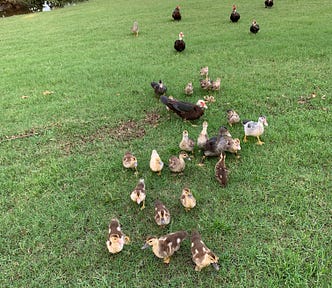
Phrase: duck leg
x=127 y=240
x=259 y=142
x=245 y=140
x=167 y=259
x=201 y=163
x=143 y=205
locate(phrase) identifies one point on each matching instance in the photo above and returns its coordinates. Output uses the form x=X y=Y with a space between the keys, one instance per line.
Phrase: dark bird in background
x=235 y=16
x=176 y=13
x=179 y=44
x=220 y=171
x=186 y=110
x=268 y=3
x=254 y=28
x=159 y=88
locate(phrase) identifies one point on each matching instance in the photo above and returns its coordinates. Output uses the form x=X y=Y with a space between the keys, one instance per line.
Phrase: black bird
x=159 y=88
x=176 y=13
x=254 y=28
x=235 y=16
x=268 y=3
x=186 y=110
x=179 y=44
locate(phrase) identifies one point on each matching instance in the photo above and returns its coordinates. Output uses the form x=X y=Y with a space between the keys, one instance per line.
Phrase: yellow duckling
x=187 y=199
x=165 y=246
x=162 y=216
x=201 y=254
x=156 y=165
x=220 y=171
x=129 y=161
x=176 y=164
x=138 y=195
x=187 y=144
x=116 y=239
x=255 y=129
x=232 y=117
x=203 y=136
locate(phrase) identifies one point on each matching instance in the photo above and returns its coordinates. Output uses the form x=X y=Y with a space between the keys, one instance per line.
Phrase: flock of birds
x=165 y=246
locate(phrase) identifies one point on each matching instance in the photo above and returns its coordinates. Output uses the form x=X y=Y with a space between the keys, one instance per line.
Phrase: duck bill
x=146 y=245
x=215 y=266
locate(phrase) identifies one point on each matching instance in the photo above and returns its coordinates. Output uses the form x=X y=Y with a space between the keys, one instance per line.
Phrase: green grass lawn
x=75 y=95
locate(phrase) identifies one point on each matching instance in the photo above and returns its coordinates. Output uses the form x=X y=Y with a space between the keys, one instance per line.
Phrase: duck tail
x=244 y=122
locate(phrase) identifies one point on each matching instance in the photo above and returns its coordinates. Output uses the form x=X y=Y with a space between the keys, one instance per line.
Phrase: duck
x=156 y=164
x=211 y=148
x=232 y=117
x=185 y=110
x=202 y=256
x=138 y=195
x=162 y=216
x=159 y=88
x=177 y=164
x=220 y=171
x=129 y=161
x=165 y=246
x=205 y=84
x=135 y=28
x=204 y=71
x=186 y=144
x=235 y=16
x=189 y=89
x=203 y=136
x=116 y=238
x=254 y=28
x=229 y=144
x=268 y=3
x=176 y=14
x=179 y=44
x=215 y=85
x=254 y=129
x=187 y=199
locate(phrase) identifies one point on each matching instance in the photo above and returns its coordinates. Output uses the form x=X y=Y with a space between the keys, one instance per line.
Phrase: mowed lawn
x=75 y=96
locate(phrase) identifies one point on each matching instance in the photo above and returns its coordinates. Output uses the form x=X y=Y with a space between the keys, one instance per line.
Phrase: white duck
x=255 y=129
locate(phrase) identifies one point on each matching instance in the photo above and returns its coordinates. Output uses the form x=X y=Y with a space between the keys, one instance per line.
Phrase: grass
x=271 y=226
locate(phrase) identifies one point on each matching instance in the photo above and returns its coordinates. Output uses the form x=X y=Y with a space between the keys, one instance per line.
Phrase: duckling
x=138 y=195
x=176 y=164
x=187 y=199
x=229 y=144
x=204 y=71
x=232 y=117
x=215 y=85
x=129 y=161
x=220 y=171
x=116 y=239
x=156 y=164
x=203 y=136
x=255 y=129
x=162 y=216
x=189 y=89
x=135 y=28
x=201 y=254
x=211 y=148
x=187 y=144
x=205 y=84
x=165 y=246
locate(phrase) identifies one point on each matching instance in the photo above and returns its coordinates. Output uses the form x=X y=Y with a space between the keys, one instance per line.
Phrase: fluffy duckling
x=205 y=84
x=201 y=254
x=204 y=71
x=220 y=171
x=129 y=161
x=215 y=85
x=255 y=129
x=187 y=144
x=138 y=195
x=162 y=216
x=189 y=89
x=229 y=144
x=135 y=28
x=176 y=164
x=232 y=117
x=116 y=239
x=165 y=246
x=187 y=199
x=203 y=136
x=156 y=165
